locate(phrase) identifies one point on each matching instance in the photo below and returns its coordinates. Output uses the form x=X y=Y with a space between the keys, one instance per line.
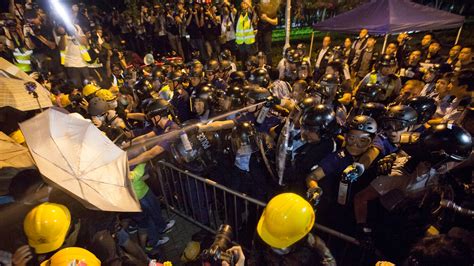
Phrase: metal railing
x=208 y=204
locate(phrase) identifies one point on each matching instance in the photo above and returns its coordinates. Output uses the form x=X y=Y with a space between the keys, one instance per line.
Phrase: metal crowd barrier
x=208 y=204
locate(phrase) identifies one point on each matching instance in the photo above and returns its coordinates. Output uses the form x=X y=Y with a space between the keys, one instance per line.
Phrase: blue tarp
x=391 y=16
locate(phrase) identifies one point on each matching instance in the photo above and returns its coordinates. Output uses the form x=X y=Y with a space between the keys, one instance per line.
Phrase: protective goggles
x=360 y=141
x=394 y=124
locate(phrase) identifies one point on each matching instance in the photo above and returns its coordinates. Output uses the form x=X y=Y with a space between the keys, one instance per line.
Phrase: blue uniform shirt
x=384 y=145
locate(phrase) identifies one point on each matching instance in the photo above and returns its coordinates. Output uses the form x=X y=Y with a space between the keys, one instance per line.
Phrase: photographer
x=19 y=45
x=194 y=24
x=39 y=31
x=211 y=30
x=72 y=44
x=172 y=24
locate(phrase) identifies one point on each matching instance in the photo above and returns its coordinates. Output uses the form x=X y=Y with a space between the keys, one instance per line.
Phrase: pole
x=459 y=35
x=385 y=42
x=311 y=46
x=287 y=25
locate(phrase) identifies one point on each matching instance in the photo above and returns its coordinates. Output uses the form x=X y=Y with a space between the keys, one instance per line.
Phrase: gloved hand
x=364 y=235
x=353 y=171
x=272 y=101
x=313 y=195
x=384 y=165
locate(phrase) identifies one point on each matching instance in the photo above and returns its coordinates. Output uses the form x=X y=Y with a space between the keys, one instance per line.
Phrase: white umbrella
x=76 y=156
x=13 y=92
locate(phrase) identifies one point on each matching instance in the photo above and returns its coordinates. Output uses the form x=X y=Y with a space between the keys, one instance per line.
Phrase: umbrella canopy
x=391 y=16
x=75 y=155
x=14 y=158
x=13 y=92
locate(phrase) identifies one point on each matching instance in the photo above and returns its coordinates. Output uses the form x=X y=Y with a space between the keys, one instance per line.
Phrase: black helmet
x=368 y=92
x=388 y=61
x=237 y=96
x=159 y=75
x=260 y=77
x=252 y=61
x=447 y=141
x=294 y=56
x=258 y=95
x=374 y=110
x=206 y=93
x=225 y=55
x=226 y=65
x=320 y=118
x=289 y=52
x=97 y=106
x=237 y=77
x=399 y=117
x=330 y=79
x=305 y=66
x=212 y=66
x=175 y=76
x=159 y=107
x=307 y=103
x=363 y=123
x=194 y=73
x=245 y=136
x=425 y=108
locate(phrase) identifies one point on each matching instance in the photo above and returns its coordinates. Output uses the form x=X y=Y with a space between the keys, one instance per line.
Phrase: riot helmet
x=260 y=77
x=319 y=119
x=446 y=141
x=204 y=94
x=97 y=107
x=372 y=109
x=360 y=134
x=237 y=77
x=425 y=108
x=399 y=117
x=244 y=138
x=257 y=94
x=212 y=66
x=368 y=92
x=225 y=55
x=158 y=107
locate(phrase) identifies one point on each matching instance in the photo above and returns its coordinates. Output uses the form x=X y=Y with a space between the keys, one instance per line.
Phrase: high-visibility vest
x=244 y=32
x=84 y=54
x=23 y=59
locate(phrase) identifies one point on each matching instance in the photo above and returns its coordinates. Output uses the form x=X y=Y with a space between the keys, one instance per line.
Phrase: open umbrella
x=13 y=91
x=75 y=155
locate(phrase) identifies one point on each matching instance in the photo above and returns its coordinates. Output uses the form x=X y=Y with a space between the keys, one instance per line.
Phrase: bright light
x=63 y=14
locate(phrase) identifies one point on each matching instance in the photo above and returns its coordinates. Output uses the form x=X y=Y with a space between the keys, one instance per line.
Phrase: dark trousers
x=151 y=218
x=245 y=50
x=198 y=44
x=77 y=75
x=264 y=41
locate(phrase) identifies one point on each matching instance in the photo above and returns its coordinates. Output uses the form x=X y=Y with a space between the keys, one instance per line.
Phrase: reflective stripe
x=244 y=32
x=63 y=56
x=22 y=60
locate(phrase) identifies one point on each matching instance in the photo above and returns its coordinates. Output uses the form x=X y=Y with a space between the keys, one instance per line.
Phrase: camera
x=218 y=253
x=76 y=99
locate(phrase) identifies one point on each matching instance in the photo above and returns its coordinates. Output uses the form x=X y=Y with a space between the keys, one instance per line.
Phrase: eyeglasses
x=360 y=141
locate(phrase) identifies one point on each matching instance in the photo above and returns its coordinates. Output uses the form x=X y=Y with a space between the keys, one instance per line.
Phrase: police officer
x=439 y=145
x=309 y=143
x=330 y=88
x=196 y=77
x=385 y=76
x=425 y=108
x=203 y=100
x=212 y=70
x=237 y=78
x=179 y=96
x=283 y=235
x=341 y=175
x=158 y=113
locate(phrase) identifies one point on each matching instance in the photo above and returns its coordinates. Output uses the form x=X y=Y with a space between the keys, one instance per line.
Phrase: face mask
x=123 y=101
x=281 y=251
x=101 y=118
x=113 y=104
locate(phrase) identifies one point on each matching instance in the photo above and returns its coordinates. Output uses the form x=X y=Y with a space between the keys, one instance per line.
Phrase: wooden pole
x=385 y=43
x=311 y=45
x=459 y=35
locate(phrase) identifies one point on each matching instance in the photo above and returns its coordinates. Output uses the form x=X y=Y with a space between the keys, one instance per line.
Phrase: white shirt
x=73 y=57
x=321 y=56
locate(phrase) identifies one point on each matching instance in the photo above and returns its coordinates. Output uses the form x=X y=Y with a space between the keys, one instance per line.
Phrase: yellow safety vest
x=23 y=59
x=244 y=32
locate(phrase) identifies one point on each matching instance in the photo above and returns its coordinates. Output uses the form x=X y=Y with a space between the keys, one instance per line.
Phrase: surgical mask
x=113 y=104
x=101 y=118
x=123 y=101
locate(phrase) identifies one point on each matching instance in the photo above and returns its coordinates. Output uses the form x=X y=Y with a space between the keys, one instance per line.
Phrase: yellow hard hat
x=64 y=100
x=72 y=256
x=191 y=251
x=105 y=95
x=89 y=89
x=46 y=226
x=286 y=219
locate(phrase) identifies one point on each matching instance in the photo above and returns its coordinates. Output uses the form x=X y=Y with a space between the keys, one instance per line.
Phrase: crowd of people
x=362 y=141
